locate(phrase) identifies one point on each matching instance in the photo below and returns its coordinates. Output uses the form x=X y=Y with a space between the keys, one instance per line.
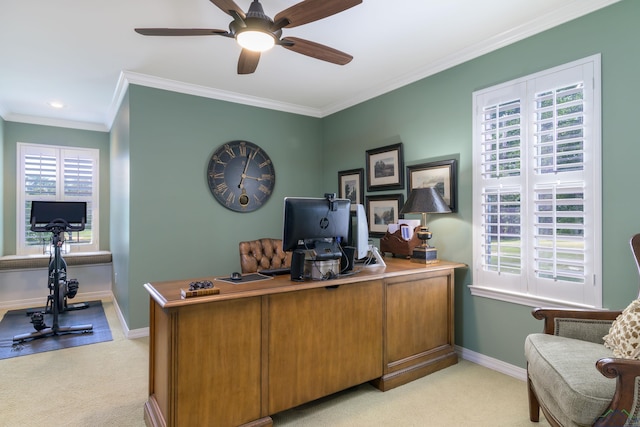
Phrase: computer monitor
x=359 y=232
x=316 y=223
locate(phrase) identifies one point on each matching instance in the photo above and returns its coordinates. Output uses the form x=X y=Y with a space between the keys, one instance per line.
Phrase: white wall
x=28 y=287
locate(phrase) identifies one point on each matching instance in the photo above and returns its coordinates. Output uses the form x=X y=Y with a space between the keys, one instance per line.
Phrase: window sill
x=523 y=299
x=17 y=262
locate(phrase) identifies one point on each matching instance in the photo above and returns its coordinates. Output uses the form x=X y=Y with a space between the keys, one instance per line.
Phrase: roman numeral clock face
x=241 y=176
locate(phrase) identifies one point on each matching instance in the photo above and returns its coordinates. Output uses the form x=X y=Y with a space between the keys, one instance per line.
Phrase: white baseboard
x=129 y=333
x=492 y=363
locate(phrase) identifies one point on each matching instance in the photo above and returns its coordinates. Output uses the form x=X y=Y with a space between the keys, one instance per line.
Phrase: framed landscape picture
x=384 y=168
x=351 y=185
x=441 y=175
x=382 y=211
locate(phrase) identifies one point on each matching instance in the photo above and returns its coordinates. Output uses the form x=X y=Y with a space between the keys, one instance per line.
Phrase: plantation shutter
x=40 y=175
x=501 y=124
x=537 y=186
x=50 y=173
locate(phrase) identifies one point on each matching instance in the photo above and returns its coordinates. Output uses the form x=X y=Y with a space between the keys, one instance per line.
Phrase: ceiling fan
x=256 y=32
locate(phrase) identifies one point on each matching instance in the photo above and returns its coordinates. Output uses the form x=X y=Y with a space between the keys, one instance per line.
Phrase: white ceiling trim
x=538 y=25
x=130 y=77
x=60 y=123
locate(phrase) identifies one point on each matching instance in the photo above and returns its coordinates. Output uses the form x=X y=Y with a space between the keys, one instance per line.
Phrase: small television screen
x=45 y=212
x=358 y=232
x=309 y=221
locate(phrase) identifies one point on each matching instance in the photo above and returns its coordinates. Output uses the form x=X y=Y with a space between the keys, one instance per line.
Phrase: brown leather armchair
x=263 y=254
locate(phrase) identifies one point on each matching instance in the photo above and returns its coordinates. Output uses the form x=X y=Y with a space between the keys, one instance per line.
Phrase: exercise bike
x=58 y=218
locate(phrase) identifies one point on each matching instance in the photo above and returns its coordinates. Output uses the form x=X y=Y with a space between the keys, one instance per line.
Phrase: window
x=52 y=173
x=537 y=188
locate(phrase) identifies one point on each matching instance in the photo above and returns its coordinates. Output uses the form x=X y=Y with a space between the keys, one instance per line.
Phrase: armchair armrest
x=549 y=315
x=623 y=406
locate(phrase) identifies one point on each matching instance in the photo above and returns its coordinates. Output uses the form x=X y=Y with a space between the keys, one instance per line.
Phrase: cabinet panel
x=219 y=363
x=322 y=341
x=418 y=313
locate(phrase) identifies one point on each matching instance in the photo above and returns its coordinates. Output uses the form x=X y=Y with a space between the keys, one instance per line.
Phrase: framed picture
x=351 y=185
x=384 y=168
x=382 y=211
x=441 y=175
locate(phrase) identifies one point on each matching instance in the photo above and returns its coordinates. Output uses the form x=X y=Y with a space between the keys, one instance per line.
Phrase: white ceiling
x=84 y=52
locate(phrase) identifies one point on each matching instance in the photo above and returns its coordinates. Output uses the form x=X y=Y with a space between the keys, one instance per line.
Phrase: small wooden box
x=394 y=243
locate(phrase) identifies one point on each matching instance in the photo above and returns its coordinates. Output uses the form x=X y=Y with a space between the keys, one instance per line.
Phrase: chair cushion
x=263 y=254
x=624 y=335
x=565 y=379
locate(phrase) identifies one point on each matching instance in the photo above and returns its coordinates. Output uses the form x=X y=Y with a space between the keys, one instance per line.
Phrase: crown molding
x=60 y=123
x=531 y=28
x=131 y=77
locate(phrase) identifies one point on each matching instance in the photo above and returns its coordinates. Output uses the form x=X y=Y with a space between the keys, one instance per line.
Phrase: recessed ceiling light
x=56 y=104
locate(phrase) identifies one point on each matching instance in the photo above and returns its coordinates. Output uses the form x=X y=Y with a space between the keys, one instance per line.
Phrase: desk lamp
x=425 y=200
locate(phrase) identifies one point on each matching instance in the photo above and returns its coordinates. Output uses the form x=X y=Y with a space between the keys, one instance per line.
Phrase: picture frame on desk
x=384 y=168
x=383 y=210
x=441 y=174
x=351 y=185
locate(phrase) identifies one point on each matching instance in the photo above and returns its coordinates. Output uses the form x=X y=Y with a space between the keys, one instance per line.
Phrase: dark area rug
x=17 y=322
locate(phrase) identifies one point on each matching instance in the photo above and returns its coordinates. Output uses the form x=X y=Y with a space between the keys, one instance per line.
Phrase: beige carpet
x=102 y=384
x=106 y=384
x=465 y=394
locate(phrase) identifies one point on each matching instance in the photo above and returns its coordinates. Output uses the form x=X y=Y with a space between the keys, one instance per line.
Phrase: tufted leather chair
x=263 y=254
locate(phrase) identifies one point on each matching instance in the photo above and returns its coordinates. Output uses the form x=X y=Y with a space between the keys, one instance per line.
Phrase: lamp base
x=424 y=255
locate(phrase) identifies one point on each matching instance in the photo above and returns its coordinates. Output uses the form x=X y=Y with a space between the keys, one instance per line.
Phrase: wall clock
x=241 y=176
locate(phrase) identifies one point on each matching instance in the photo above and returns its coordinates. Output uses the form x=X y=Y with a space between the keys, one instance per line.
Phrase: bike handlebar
x=58 y=225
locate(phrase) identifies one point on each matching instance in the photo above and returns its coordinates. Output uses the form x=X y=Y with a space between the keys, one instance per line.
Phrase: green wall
x=433 y=119
x=37 y=134
x=176 y=229
x=120 y=211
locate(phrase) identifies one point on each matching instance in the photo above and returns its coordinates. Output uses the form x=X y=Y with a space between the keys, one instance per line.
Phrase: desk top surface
x=167 y=294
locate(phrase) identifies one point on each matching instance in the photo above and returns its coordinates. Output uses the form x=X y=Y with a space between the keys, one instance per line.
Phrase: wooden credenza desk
x=258 y=348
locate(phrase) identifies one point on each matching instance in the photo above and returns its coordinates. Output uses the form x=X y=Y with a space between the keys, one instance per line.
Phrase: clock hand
x=244 y=172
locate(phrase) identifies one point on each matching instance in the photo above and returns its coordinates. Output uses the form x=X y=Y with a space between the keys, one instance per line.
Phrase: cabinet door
x=419 y=326
x=218 y=359
x=322 y=341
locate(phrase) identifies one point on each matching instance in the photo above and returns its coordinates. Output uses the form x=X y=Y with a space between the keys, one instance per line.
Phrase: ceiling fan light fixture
x=56 y=104
x=257 y=41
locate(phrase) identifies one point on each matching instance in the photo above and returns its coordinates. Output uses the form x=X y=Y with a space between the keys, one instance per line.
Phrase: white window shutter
x=537 y=187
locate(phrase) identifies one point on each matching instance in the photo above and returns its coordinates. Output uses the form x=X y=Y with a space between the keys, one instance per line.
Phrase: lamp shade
x=425 y=200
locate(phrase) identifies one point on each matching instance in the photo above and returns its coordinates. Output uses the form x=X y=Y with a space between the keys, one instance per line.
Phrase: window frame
x=60 y=153
x=526 y=288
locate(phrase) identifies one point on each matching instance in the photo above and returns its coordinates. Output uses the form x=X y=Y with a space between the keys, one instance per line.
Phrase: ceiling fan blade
x=316 y=50
x=248 y=61
x=229 y=5
x=181 y=32
x=311 y=10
